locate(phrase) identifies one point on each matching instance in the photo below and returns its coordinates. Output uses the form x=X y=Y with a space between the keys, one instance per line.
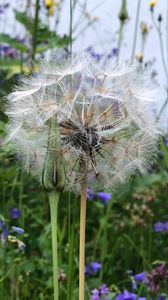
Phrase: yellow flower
x=144 y=28
x=140 y=57
x=50 y=5
x=152 y=3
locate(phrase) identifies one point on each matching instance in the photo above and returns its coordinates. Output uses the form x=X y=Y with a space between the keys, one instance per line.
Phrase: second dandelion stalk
x=82 y=241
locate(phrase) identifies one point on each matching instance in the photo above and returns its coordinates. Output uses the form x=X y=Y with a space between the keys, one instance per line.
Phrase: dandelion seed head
x=106 y=119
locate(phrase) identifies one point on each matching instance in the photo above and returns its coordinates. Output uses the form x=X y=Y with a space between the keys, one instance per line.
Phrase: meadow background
x=127 y=230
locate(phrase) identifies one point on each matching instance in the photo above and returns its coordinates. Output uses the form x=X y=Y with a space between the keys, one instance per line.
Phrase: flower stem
x=82 y=242
x=35 y=29
x=135 y=31
x=54 y=198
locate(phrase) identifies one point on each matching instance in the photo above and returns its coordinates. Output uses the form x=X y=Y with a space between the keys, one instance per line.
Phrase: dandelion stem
x=70 y=25
x=135 y=31
x=120 y=40
x=54 y=198
x=35 y=29
x=82 y=241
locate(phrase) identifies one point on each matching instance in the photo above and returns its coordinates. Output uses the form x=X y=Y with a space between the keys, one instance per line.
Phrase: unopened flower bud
x=53 y=174
x=123 y=15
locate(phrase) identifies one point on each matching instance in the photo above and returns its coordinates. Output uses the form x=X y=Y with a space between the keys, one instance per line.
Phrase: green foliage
x=5 y=38
x=46 y=39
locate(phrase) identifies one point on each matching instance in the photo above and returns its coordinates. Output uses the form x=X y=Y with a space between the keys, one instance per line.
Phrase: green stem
x=82 y=241
x=35 y=29
x=158 y=29
x=120 y=36
x=70 y=25
x=135 y=31
x=71 y=234
x=104 y=240
x=54 y=198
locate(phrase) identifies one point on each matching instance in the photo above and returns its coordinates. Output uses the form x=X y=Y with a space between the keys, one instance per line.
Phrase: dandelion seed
x=105 y=116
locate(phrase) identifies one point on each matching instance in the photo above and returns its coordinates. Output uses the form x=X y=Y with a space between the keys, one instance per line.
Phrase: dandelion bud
x=53 y=174
x=144 y=28
x=123 y=15
x=160 y=18
x=152 y=4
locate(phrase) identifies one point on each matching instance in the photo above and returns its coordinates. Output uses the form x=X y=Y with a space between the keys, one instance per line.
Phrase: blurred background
x=127 y=231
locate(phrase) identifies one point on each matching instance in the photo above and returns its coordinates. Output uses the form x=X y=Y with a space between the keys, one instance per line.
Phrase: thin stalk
x=158 y=29
x=120 y=36
x=105 y=237
x=135 y=31
x=35 y=29
x=82 y=241
x=53 y=199
x=70 y=25
x=21 y=61
x=71 y=234
x=167 y=32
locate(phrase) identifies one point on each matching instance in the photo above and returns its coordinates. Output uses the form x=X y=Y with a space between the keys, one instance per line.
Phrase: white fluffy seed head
x=106 y=119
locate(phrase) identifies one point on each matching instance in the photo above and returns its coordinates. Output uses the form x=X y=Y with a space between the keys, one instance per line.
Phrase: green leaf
x=53 y=42
x=46 y=39
x=5 y=38
x=25 y=20
x=164 y=151
x=6 y=63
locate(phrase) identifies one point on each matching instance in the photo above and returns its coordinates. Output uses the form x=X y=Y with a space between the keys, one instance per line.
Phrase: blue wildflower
x=95 y=266
x=17 y=229
x=14 y=213
x=126 y=295
x=105 y=197
x=92 y=268
x=140 y=276
x=161 y=297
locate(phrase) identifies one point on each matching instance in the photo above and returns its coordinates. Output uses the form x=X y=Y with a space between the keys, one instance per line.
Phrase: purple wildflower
x=102 y=291
x=112 y=53
x=92 y=268
x=105 y=197
x=95 y=294
x=126 y=295
x=95 y=266
x=14 y=213
x=3 y=7
x=166 y=141
x=161 y=226
x=8 y=51
x=161 y=297
x=141 y=276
